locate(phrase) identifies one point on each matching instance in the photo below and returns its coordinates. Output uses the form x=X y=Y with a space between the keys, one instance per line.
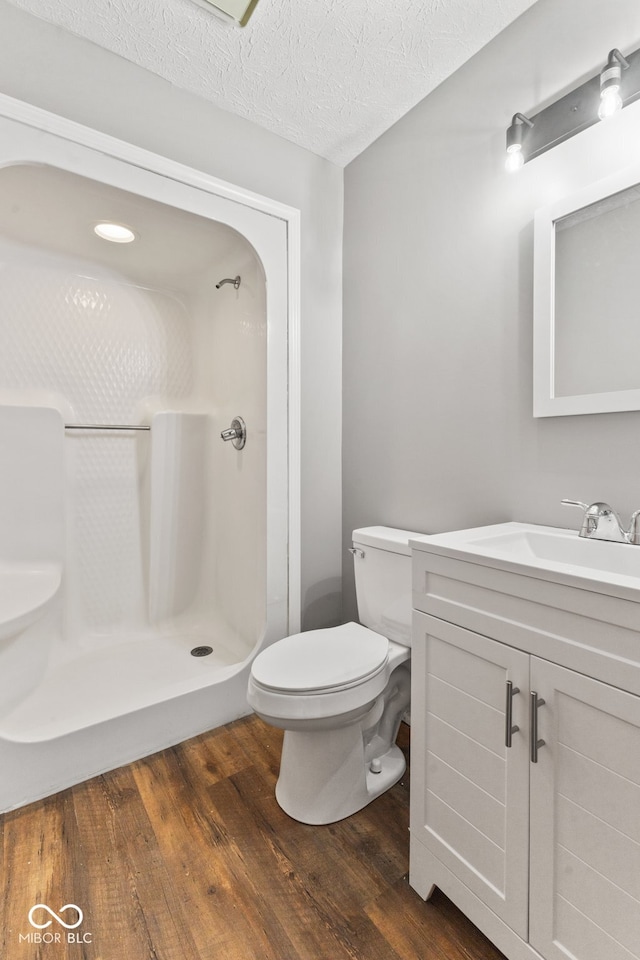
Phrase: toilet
x=340 y=693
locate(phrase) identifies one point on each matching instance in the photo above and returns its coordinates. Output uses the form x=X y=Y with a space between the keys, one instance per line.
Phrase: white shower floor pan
x=101 y=680
x=107 y=680
x=101 y=705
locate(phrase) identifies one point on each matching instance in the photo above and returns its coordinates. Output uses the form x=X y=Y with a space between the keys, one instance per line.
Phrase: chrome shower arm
x=235 y=281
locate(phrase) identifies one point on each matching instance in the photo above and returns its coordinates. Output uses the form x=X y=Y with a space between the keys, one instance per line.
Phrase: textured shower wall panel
x=177 y=511
x=104 y=552
x=101 y=343
x=31 y=484
x=238 y=352
x=102 y=349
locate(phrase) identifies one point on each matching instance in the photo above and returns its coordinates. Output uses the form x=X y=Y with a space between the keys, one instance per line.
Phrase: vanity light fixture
x=114 y=232
x=233 y=11
x=610 y=81
x=615 y=86
x=515 y=134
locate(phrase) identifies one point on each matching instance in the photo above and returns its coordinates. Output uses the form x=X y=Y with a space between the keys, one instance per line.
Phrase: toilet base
x=324 y=777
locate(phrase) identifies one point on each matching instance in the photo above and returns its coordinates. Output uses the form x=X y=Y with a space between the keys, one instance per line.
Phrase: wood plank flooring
x=187 y=856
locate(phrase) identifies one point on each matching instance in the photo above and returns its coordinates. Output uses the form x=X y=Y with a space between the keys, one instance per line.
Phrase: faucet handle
x=575 y=503
x=589 y=522
x=599 y=522
x=633 y=533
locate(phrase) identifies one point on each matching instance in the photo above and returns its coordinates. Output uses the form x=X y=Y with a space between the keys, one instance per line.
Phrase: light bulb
x=515 y=158
x=115 y=232
x=610 y=102
x=516 y=134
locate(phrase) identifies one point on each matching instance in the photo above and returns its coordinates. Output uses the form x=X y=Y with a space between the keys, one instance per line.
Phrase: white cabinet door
x=469 y=791
x=585 y=819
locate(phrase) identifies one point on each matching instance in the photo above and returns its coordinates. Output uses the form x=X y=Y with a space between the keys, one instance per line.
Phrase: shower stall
x=144 y=459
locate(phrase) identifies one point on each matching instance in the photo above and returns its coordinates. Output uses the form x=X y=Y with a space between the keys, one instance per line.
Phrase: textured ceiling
x=329 y=75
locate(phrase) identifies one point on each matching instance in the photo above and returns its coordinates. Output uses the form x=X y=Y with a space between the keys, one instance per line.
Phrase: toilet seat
x=322 y=660
x=320 y=674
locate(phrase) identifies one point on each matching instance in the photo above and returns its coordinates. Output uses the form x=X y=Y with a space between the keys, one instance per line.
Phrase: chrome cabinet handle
x=534 y=702
x=509 y=727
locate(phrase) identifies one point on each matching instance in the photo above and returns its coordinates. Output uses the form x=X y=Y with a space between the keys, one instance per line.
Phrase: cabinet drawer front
x=461 y=771
x=585 y=819
x=592 y=633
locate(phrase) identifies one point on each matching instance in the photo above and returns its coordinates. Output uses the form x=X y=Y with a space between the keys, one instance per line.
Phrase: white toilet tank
x=382 y=562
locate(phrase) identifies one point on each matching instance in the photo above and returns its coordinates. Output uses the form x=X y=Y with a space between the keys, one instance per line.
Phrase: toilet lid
x=321 y=660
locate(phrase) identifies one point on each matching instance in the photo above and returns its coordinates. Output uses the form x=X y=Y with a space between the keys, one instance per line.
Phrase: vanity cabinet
x=534 y=834
x=462 y=775
x=585 y=819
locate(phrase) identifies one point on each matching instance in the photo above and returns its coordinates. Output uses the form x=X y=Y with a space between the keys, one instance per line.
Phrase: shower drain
x=201 y=651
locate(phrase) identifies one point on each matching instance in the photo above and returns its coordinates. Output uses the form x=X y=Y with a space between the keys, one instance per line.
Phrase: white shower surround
x=37 y=765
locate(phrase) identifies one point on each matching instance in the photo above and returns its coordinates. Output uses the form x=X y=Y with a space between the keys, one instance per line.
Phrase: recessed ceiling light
x=237 y=10
x=115 y=232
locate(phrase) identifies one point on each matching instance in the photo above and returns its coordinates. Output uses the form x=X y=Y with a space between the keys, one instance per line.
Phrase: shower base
x=106 y=679
x=102 y=702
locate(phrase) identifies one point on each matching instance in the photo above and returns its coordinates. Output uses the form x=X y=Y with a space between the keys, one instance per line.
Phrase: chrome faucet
x=601 y=522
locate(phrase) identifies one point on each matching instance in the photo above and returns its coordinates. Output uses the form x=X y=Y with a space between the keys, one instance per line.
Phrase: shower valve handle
x=237 y=433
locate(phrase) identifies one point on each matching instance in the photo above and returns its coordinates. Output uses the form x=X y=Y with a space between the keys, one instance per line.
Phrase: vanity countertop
x=546 y=553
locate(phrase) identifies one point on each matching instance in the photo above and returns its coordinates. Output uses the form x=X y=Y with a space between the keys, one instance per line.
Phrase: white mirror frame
x=545 y=403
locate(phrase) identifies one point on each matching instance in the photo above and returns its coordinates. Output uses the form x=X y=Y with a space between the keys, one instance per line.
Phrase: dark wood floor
x=187 y=856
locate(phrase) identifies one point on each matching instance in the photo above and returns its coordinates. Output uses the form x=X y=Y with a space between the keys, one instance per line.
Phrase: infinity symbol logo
x=47 y=923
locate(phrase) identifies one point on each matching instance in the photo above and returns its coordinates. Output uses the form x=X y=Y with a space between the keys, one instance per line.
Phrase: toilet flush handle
x=357 y=552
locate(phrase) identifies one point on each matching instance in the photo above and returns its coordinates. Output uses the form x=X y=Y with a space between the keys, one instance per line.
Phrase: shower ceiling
x=328 y=75
x=44 y=208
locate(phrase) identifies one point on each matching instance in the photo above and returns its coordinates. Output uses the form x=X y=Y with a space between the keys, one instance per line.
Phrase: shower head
x=235 y=282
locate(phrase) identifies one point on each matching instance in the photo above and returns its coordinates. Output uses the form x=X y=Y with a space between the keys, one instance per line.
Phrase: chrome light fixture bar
x=617 y=85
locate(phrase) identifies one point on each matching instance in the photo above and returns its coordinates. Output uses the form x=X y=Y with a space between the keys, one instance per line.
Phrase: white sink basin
x=549 y=552
x=27 y=590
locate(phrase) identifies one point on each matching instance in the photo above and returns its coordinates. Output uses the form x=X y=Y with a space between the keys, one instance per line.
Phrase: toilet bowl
x=340 y=693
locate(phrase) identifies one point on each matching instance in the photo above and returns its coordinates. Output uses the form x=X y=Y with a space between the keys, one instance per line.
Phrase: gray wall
x=437 y=389
x=45 y=66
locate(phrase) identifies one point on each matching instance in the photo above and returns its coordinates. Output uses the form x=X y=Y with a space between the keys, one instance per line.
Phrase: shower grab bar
x=105 y=426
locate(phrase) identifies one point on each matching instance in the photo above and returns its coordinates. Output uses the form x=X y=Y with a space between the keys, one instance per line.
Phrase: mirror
x=587 y=301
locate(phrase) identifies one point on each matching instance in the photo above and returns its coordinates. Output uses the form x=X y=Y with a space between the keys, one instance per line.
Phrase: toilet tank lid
x=385 y=538
x=321 y=660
